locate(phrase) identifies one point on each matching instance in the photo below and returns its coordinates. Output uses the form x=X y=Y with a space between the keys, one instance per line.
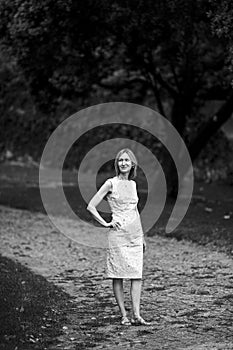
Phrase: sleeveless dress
x=125 y=244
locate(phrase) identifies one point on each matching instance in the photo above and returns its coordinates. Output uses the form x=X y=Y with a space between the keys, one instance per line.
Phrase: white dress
x=125 y=244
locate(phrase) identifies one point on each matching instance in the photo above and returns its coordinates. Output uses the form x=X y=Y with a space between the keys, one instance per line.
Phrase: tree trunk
x=211 y=127
x=178 y=117
x=200 y=141
x=181 y=109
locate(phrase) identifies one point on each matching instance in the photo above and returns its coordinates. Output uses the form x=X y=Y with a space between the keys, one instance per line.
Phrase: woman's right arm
x=94 y=202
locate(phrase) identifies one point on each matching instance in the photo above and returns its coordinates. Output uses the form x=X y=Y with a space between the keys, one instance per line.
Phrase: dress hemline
x=129 y=278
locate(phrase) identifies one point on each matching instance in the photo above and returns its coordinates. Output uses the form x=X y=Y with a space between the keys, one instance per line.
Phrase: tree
x=221 y=15
x=163 y=50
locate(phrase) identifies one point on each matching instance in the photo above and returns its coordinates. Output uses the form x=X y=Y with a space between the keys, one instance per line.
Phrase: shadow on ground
x=32 y=309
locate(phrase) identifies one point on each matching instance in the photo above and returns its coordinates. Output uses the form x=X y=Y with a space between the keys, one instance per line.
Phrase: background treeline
x=175 y=56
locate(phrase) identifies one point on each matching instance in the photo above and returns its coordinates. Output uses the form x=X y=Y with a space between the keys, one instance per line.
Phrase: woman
x=125 y=237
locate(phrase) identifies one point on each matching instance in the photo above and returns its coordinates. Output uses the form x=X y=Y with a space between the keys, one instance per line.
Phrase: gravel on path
x=187 y=289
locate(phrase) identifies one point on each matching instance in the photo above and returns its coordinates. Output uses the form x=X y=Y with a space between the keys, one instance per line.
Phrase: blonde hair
x=133 y=170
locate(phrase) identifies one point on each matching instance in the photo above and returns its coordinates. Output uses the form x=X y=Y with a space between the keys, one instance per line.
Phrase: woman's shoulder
x=134 y=184
x=110 y=181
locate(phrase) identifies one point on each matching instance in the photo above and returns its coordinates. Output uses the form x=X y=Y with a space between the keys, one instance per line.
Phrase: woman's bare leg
x=135 y=291
x=117 y=284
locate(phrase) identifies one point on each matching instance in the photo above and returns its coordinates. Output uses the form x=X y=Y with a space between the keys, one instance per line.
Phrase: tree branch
x=120 y=83
x=215 y=93
x=211 y=127
x=150 y=68
x=175 y=76
x=156 y=93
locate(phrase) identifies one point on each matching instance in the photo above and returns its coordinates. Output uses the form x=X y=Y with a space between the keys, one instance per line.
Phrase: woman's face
x=124 y=163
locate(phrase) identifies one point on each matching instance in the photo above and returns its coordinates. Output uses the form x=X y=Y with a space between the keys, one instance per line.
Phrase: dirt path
x=187 y=289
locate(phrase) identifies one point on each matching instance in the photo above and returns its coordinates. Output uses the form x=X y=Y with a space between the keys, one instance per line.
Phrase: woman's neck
x=123 y=176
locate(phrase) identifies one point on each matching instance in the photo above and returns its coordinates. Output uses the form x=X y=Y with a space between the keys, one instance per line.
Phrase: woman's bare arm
x=94 y=202
x=144 y=241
